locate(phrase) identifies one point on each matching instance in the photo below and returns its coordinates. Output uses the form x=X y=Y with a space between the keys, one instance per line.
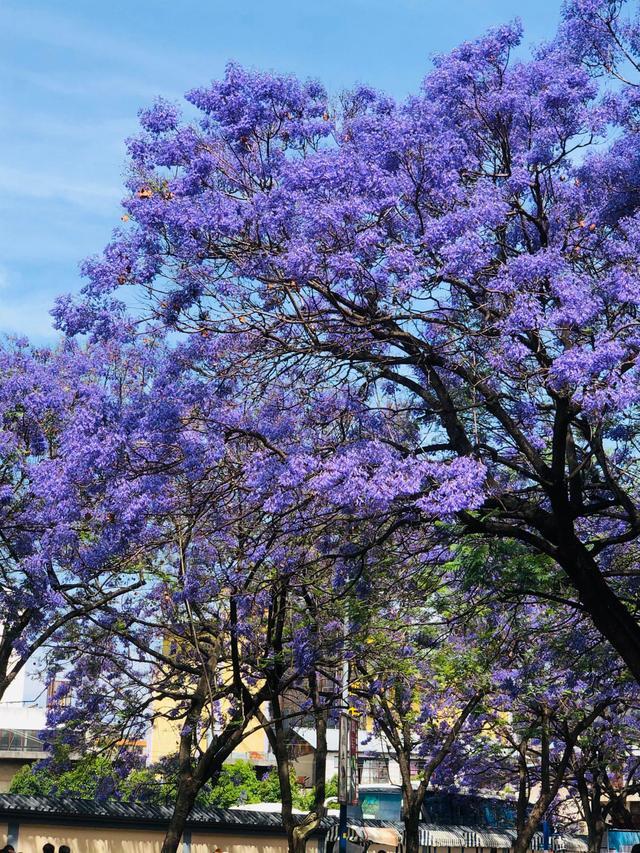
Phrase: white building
x=20 y=723
x=375 y=760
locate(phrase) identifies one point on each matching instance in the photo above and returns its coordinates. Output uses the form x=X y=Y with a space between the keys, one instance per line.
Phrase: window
x=374 y=770
x=18 y=739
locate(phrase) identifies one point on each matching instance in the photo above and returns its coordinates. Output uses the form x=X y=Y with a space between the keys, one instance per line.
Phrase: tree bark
x=191 y=780
x=311 y=822
x=609 y=614
x=592 y=811
x=523 y=788
x=187 y=785
x=550 y=786
x=185 y=800
x=523 y=839
x=411 y=821
x=619 y=812
x=280 y=748
x=401 y=739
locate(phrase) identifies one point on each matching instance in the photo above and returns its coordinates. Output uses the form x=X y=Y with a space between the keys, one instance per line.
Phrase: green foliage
x=303 y=799
x=26 y=781
x=270 y=787
x=84 y=778
x=508 y=565
x=236 y=785
x=96 y=777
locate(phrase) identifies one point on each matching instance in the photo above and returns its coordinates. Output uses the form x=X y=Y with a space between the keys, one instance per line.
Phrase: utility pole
x=343 y=747
x=546 y=833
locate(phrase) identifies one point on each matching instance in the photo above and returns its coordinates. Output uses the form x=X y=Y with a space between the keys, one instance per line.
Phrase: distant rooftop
x=71 y=809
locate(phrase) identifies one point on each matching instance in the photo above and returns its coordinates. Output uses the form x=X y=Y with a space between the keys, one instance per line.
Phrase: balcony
x=20 y=745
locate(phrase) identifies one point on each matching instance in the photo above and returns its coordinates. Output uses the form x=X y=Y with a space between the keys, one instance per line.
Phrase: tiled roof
x=70 y=808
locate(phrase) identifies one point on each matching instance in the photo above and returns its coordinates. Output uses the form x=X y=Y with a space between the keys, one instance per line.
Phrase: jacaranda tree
x=64 y=552
x=238 y=602
x=554 y=688
x=464 y=262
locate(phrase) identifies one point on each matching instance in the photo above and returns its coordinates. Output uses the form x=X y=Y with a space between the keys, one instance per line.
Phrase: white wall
x=14 y=714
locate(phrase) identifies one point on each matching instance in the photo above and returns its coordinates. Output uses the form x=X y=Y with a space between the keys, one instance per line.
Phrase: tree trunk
x=619 y=812
x=278 y=740
x=523 y=788
x=185 y=799
x=592 y=810
x=303 y=830
x=402 y=743
x=193 y=776
x=549 y=789
x=192 y=780
x=320 y=762
x=286 y=798
x=187 y=786
x=411 y=842
x=595 y=835
x=609 y=614
x=523 y=839
x=412 y=798
x=537 y=813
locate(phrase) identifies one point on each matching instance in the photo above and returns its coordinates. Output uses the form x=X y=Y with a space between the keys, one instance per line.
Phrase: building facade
x=20 y=725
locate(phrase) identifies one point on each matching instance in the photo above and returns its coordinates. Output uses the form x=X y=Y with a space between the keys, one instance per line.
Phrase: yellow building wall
x=254 y=746
x=105 y=840
x=88 y=839
x=165 y=733
x=165 y=738
x=8 y=770
x=201 y=843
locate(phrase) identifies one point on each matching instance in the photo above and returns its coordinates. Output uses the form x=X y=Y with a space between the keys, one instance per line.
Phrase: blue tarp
x=621 y=839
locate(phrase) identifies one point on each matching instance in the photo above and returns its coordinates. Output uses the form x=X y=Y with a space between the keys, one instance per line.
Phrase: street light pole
x=344 y=732
x=546 y=833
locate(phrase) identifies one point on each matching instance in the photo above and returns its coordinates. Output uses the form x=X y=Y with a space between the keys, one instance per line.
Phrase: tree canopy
x=378 y=404
x=458 y=269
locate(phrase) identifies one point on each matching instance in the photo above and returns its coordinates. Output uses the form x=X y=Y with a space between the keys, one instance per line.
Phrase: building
x=375 y=762
x=444 y=808
x=90 y=827
x=163 y=740
x=20 y=725
x=113 y=827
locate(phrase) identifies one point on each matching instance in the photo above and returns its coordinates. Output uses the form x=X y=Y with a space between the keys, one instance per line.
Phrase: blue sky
x=73 y=74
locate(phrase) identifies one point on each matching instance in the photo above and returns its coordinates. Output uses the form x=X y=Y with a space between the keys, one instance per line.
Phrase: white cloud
x=46 y=185
x=28 y=315
x=37 y=23
x=49 y=26
x=95 y=84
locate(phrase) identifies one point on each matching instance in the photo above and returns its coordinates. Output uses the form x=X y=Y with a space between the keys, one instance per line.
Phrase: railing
x=20 y=740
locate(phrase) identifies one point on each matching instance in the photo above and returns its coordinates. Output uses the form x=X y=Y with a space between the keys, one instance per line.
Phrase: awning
x=437 y=836
x=485 y=837
x=334 y=833
x=432 y=835
x=385 y=835
x=381 y=835
x=559 y=842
